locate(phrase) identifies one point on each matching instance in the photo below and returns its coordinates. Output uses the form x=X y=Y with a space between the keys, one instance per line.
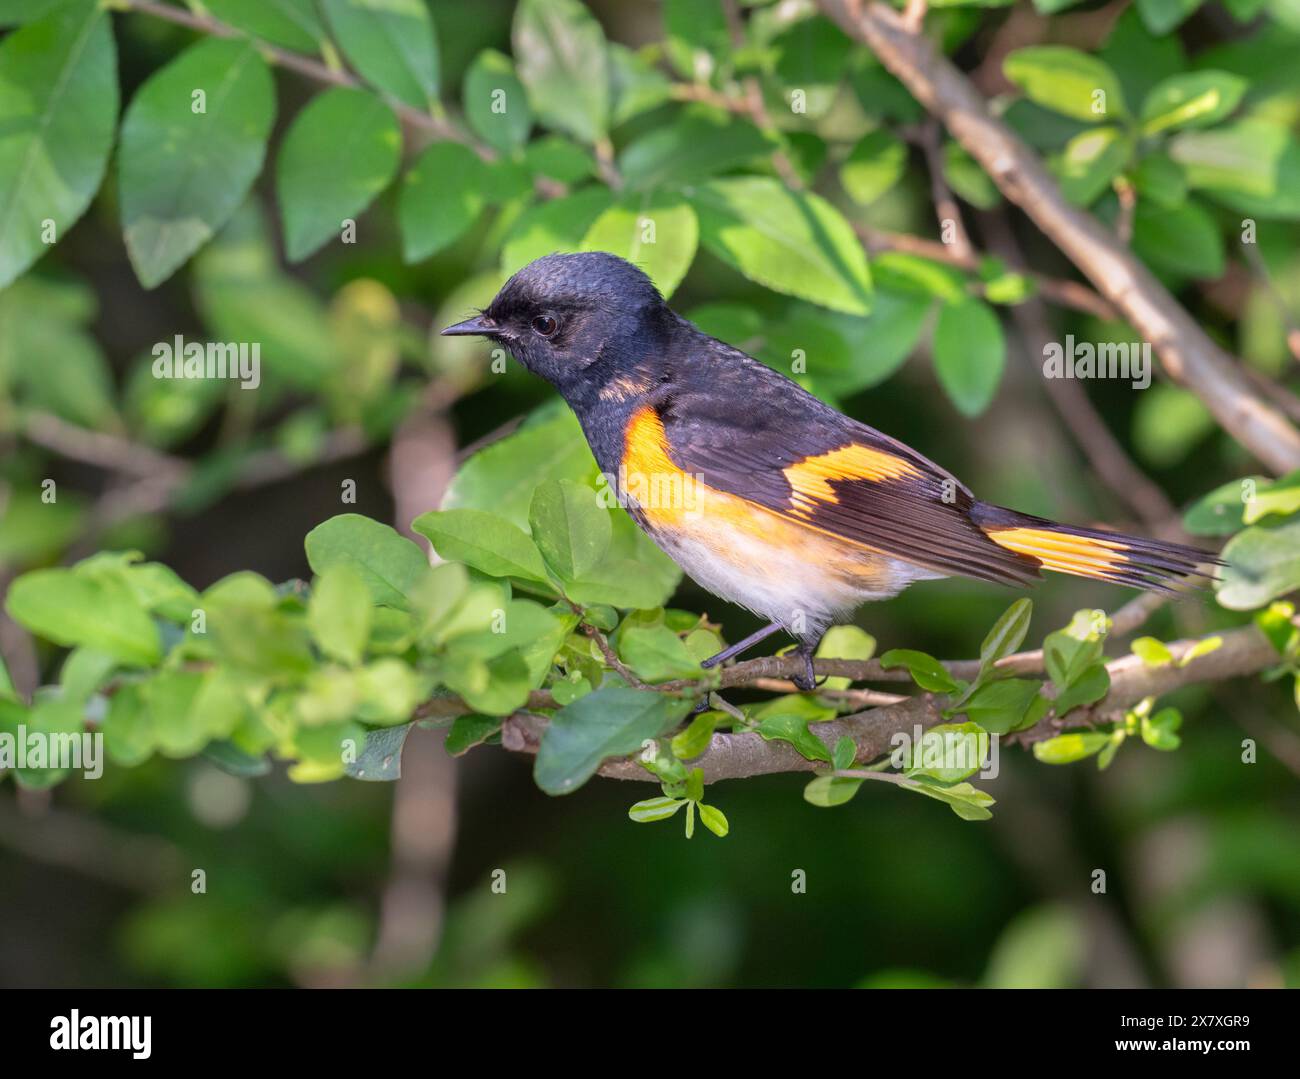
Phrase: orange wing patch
x=742 y=533
x=810 y=479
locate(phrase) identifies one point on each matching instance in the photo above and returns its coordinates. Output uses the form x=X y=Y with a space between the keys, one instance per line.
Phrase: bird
x=763 y=494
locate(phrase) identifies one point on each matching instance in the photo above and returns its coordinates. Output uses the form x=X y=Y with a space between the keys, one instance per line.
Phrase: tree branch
x=740 y=755
x=1188 y=354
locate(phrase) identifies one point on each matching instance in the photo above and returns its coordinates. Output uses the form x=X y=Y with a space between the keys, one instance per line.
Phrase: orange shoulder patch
x=652 y=479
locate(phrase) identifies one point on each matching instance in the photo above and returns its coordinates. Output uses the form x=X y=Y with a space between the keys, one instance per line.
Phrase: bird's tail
x=1091 y=552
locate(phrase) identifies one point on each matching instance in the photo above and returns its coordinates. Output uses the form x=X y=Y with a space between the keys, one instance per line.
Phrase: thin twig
x=1059 y=290
x=928 y=138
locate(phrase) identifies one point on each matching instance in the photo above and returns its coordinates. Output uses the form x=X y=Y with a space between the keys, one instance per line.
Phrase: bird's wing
x=819 y=469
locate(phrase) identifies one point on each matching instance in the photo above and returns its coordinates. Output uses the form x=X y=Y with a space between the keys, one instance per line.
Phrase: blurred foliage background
x=367 y=883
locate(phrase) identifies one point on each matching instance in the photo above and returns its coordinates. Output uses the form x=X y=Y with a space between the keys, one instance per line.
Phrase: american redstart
x=763 y=494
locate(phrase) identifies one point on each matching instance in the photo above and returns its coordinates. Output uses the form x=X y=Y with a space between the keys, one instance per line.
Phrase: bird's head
x=575 y=320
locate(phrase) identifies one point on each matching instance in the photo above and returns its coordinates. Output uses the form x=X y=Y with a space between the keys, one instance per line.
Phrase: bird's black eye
x=545 y=325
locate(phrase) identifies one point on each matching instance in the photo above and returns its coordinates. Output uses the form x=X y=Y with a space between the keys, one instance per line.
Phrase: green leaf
x=496 y=686
x=391 y=44
x=1067 y=655
x=1280 y=497
x=652 y=809
x=1160 y=731
x=969 y=354
x=228 y=757
x=21 y=12
x=1161 y=16
x=1194 y=99
x=1090 y=162
x=845 y=642
x=714 y=820
x=73 y=610
x=571 y=529
x=441 y=197
x=693 y=146
x=53 y=719
x=243 y=295
x=844 y=753
x=503 y=478
x=1263 y=563
x=628 y=582
x=1222 y=511
x=484 y=541
x=1159 y=178
x=1249 y=164
x=967 y=177
x=969 y=803
x=1168 y=423
x=380 y=759
x=878 y=344
x=469 y=731
x=610 y=722
x=876 y=163
x=340 y=152
x=794 y=729
x=695 y=739
x=1182 y=240
x=999 y=707
x=920 y=276
x=926 y=671
x=1068 y=748
x=1203 y=647
x=58 y=109
x=389 y=564
x=1007 y=633
x=1090 y=687
x=562 y=59
x=555 y=225
x=340 y=612
x=1152 y=652
x=636 y=85
x=791 y=242
x=292 y=24
x=656 y=653
x=658 y=233
x=827 y=791
x=170 y=697
x=811 y=56
x=948 y=753
x=183 y=172
x=1276 y=624
x=1067 y=81
x=495 y=104
x=559 y=159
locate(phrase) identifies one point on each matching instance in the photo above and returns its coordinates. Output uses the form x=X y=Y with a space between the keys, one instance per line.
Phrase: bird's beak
x=478 y=325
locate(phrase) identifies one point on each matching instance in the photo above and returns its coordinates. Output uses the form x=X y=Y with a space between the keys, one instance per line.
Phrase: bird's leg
x=807 y=680
x=741 y=646
x=735 y=650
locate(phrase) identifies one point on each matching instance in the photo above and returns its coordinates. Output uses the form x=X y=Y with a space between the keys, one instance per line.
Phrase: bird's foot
x=807 y=680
